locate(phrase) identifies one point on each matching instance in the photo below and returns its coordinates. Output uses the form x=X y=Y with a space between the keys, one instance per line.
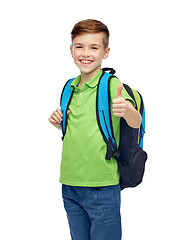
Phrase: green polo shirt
x=83 y=155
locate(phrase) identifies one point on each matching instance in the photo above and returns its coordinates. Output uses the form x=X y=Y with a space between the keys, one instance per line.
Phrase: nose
x=85 y=52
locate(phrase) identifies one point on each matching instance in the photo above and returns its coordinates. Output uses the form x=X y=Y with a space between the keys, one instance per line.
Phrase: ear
x=71 y=50
x=106 y=54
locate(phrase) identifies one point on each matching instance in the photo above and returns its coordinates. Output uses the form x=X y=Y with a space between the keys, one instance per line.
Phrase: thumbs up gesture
x=119 y=106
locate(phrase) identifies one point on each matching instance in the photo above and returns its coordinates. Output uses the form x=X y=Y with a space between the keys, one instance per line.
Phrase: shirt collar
x=91 y=83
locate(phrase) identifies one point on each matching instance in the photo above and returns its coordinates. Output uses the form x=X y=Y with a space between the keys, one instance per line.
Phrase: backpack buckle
x=111 y=70
x=112 y=150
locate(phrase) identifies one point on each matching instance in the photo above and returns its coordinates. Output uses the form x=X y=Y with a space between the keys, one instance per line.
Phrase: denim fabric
x=93 y=212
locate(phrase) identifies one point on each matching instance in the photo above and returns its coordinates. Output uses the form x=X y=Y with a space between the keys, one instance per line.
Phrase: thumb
x=119 y=92
x=68 y=111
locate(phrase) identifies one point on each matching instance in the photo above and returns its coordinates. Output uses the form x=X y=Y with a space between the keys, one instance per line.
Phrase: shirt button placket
x=79 y=105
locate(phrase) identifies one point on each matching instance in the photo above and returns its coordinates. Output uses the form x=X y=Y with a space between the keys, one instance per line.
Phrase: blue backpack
x=129 y=154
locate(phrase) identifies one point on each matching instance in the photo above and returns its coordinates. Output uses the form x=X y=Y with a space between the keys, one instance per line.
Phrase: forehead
x=89 y=38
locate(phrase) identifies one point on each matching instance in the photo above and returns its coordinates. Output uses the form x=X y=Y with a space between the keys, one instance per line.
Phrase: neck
x=85 y=77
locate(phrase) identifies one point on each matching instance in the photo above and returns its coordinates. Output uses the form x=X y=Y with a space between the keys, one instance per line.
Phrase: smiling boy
x=90 y=183
x=88 y=51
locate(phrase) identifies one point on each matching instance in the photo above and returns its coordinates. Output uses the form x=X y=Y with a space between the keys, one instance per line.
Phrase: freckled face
x=88 y=52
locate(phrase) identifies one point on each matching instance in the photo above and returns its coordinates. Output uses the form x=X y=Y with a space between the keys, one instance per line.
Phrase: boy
x=90 y=183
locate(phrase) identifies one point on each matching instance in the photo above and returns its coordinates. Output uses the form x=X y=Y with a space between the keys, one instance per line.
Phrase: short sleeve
x=114 y=88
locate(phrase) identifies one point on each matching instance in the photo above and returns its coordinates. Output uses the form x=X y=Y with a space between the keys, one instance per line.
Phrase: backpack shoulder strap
x=65 y=100
x=130 y=92
x=103 y=112
x=139 y=105
x=142 y=127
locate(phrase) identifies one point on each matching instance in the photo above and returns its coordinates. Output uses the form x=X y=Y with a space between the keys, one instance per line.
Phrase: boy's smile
x=88 y=52
x=85 y=61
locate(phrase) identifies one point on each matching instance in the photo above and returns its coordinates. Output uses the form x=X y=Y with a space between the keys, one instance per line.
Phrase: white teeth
x=85 y=61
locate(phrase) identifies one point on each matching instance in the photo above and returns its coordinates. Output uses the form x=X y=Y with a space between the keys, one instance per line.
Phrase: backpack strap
x=131 y=94
x=103 y=112
x=65 y=100
x=111 y=70
x=142 y=127
x=141 y=110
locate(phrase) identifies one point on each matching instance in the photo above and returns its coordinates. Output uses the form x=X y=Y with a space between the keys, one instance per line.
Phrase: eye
x=78 y=47
x=94 y=48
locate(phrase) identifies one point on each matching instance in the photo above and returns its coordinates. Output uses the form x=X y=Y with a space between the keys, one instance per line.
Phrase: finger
x=119 y=109
x=119 y=92
x=59 y=112
x=119 y=100
x=68 y=111
x=119 y=114
x=52 y=120
x=56 y=117
x=118 y=106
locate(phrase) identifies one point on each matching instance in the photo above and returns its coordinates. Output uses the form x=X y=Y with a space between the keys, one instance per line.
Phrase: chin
x=89 y=70
x=86 y=71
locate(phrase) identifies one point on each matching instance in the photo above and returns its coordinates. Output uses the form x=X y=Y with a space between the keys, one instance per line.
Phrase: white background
x=35 y=63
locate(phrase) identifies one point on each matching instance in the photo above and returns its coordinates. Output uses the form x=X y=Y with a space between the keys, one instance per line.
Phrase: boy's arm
x=132 y=116
x=124 y=108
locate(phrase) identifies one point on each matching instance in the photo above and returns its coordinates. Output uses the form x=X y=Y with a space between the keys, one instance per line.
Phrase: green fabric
x=83 y=155
x=137 y=98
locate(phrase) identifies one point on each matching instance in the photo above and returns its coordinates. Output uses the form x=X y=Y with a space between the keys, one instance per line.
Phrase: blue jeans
x=93 y=212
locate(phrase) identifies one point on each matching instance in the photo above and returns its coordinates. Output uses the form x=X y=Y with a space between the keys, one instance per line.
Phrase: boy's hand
x=120 y=106
x=56 y=118
x=124 y=108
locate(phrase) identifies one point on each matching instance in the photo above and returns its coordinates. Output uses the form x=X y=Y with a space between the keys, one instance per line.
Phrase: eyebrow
x=93 y=44
x=77 y=44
